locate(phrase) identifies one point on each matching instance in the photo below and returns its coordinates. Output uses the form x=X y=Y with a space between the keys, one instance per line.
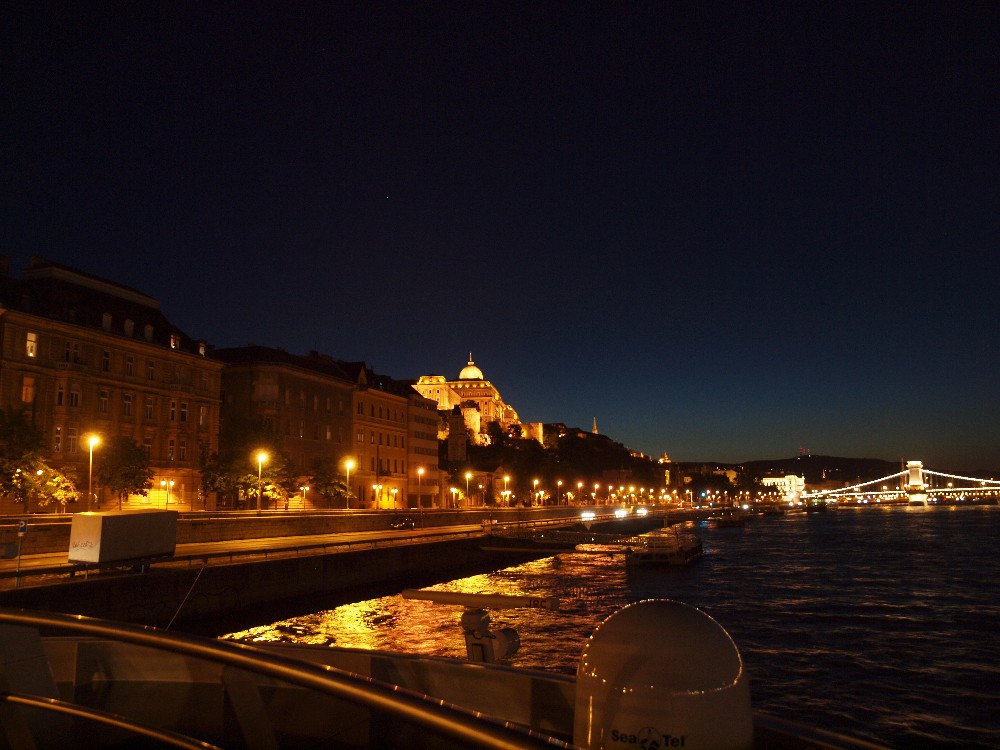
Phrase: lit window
x=31 y=345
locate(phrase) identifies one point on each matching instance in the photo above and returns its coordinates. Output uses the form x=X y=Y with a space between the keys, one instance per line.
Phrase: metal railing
x=470 y=729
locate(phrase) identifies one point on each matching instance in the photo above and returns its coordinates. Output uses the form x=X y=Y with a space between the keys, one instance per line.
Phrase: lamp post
x=558 y=491
x=579 y=492
x=92 y=441
x=349 y=464
x=534 y=494
x=453 y=493
x=167 y=484
x=420 y=498
x=261 y=458
x=378 y=494
x=394 y=490
x=305 y=489
x=468 y=476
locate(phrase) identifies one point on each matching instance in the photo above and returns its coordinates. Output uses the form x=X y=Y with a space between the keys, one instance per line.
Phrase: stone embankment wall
x=48 y=534
x=201 y=598
x=244 y=593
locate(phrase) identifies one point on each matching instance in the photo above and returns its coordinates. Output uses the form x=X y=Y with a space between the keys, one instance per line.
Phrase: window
x=175 y=341
x=184 y=411
x=28 y=389
x=182 y=450
x=60 y=394
x=147 y=408
x=71 y=440
x=202 y=415
x=372 y=464
x=173 y=411
x=380 y=438
x=106 y=321
x=57 y=440
x=361 y=408
x=102 y=401
x=361 y=436
x=170 y=449
x=106 y=361
x=129 y=365
x=126 y=404
x=74 y=397
x=380 y=412
x=147 y=446
x=372 y=438
x=150 y=370
x=31 y=345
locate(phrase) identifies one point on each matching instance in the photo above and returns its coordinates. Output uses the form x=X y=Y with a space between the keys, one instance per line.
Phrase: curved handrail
x=469 y=727
x=163 y=736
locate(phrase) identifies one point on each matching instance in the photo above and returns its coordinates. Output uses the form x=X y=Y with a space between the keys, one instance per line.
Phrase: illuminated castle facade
x=476 y=397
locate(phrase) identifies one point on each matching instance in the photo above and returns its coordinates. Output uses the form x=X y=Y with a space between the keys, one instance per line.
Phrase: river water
x=878 y=623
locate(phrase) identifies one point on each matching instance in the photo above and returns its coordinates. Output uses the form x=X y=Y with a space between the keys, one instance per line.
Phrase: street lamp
x=535 y=493
x=92 y=441
x=394 y=490
x=305 y=489
x=349 y=464
x=261 y=458
x=378 y=494
x=468 y=476
x=420 y=486
x=558 y=491
x=167 y=484
x=453 y=493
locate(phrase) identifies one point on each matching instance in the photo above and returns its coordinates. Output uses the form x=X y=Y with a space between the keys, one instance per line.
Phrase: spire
x=594 y=430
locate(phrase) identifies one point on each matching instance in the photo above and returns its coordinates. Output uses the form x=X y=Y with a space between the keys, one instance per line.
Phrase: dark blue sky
x=725 y=230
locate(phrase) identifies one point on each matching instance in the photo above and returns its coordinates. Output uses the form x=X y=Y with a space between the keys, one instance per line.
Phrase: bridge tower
x=915 y=485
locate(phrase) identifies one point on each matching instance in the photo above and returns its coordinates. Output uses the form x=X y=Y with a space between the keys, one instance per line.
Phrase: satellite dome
x=470 y=371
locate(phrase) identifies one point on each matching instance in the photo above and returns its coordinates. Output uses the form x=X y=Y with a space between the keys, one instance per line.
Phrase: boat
x=655 y=673
x=657 y=549
x=728 y=518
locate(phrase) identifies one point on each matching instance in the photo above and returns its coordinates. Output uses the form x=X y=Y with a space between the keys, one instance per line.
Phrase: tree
x=23 y=473
x=124 y=468
x=326 y=481
x=233 y=471
x=20 y=450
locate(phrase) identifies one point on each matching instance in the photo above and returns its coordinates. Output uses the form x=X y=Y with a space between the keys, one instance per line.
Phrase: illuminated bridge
x=914 y=484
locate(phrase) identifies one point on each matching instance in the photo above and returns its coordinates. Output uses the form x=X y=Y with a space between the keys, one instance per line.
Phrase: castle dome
x=470 y=371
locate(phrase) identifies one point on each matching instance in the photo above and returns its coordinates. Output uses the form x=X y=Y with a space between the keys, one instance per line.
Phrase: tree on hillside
x=124 y=469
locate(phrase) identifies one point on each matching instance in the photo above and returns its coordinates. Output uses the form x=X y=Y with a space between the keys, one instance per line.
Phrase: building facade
x=83 y=356
x=305 y=402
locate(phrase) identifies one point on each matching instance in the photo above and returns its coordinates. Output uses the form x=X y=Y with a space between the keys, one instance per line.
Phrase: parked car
x=402 y=522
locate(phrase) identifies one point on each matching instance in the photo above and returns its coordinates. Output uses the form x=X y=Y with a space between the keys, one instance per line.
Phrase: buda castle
x=475 y=397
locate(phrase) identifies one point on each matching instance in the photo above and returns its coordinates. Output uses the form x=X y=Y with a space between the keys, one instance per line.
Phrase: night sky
x=728 y=231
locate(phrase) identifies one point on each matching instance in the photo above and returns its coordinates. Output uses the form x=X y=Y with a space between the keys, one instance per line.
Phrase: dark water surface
x=879 y=623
